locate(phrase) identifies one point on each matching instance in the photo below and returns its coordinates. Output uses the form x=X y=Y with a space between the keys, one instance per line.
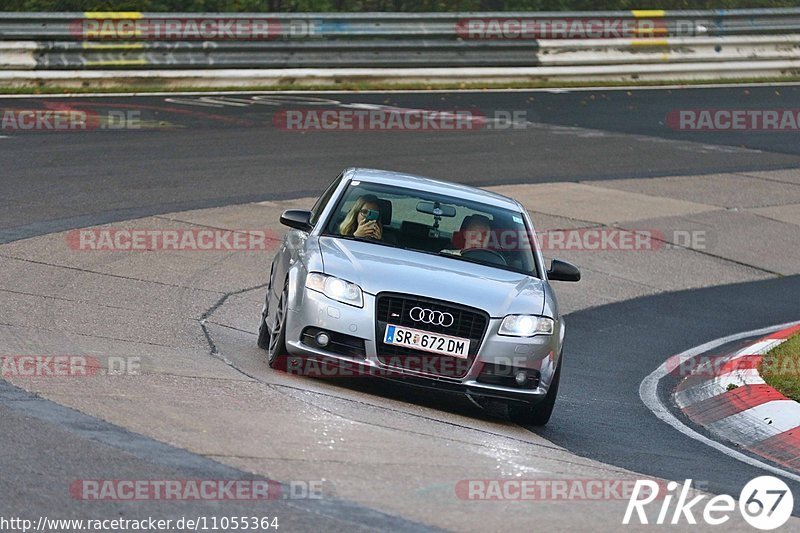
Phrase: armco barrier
x=629 y=45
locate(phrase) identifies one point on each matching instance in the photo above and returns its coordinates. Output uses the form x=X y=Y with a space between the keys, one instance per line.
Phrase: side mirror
x=563 y=271
x=297 y=219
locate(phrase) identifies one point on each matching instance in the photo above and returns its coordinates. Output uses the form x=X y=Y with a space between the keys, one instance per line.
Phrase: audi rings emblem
x=435 y=318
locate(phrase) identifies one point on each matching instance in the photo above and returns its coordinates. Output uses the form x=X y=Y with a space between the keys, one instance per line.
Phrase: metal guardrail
x=400 y=54
x=40 y=26
x=611 y=40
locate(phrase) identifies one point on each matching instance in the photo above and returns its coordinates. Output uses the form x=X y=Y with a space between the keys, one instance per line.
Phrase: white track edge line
x=648 y=392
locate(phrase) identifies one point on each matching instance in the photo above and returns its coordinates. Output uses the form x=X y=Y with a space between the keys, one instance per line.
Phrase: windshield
x=434 y=224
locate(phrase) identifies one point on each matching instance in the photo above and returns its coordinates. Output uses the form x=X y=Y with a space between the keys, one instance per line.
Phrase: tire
x=263 y=331
x=276 y=348
x=539 y=414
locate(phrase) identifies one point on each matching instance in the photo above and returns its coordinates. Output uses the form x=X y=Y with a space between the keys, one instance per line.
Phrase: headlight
x=526 y=326
x=336 y=289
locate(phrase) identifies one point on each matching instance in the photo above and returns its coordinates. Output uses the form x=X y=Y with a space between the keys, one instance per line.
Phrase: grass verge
x=780 y=368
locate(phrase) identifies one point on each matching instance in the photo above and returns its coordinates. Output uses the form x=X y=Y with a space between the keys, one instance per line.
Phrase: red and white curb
x=753 y=415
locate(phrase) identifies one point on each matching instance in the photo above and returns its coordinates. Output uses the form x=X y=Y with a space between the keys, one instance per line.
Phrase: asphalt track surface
x=192 y=154
x=604 y=418
x=198 y=156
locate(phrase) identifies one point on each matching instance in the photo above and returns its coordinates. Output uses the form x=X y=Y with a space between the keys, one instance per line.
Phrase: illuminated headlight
x=336 y=289
x=526 y=326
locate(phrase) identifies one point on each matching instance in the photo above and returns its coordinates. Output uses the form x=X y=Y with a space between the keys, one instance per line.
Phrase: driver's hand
x=361 y=231
x=369 y=230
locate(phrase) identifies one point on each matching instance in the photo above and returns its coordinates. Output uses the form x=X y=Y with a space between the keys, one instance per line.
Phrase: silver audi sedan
x=435 y=283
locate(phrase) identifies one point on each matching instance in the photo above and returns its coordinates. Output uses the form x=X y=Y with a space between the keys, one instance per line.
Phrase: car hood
x=378 y=268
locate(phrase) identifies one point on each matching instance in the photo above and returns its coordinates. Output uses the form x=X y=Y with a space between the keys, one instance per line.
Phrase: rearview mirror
x=436 y=209
x=563 y=271
x=297 y=219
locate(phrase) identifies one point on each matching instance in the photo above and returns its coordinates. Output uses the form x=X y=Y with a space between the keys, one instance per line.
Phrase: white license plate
x=426 y=341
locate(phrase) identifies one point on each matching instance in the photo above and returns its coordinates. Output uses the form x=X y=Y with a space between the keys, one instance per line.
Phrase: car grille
x=469 y=323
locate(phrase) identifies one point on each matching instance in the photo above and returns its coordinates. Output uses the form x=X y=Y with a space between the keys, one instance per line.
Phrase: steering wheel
x=485 y=255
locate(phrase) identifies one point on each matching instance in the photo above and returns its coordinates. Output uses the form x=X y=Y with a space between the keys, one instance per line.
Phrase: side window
x=319 y=207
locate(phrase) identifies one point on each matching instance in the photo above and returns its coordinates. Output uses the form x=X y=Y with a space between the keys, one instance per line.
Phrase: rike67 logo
x=765 y=503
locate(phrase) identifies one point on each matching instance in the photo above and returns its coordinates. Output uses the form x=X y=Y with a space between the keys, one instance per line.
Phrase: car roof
x=446 y=188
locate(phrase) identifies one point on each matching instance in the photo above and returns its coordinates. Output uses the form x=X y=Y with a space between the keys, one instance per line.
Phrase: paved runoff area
x=170 y=340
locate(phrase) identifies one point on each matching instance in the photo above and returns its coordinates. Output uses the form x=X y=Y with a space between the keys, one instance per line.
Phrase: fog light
x=521 y=377
x=322 y=339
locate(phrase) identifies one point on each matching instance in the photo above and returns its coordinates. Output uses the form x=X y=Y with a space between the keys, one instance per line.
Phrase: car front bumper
x=537 y=355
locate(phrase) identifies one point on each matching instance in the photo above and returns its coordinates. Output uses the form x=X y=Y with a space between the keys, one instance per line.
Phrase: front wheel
x=276 y=350
x=263 y=331
x=539 y=414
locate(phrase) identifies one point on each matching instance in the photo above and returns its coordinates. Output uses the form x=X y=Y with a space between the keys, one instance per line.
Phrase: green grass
x=780 y=368
x=374 y=86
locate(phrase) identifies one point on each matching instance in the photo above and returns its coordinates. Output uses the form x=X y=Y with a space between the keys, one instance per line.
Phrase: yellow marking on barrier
x=651 y=31
x=114 y=28
x=113 y=14
x=113 y=33
x=117 y=63
x=113 y=46
x=648 y=13
x=650 y=42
